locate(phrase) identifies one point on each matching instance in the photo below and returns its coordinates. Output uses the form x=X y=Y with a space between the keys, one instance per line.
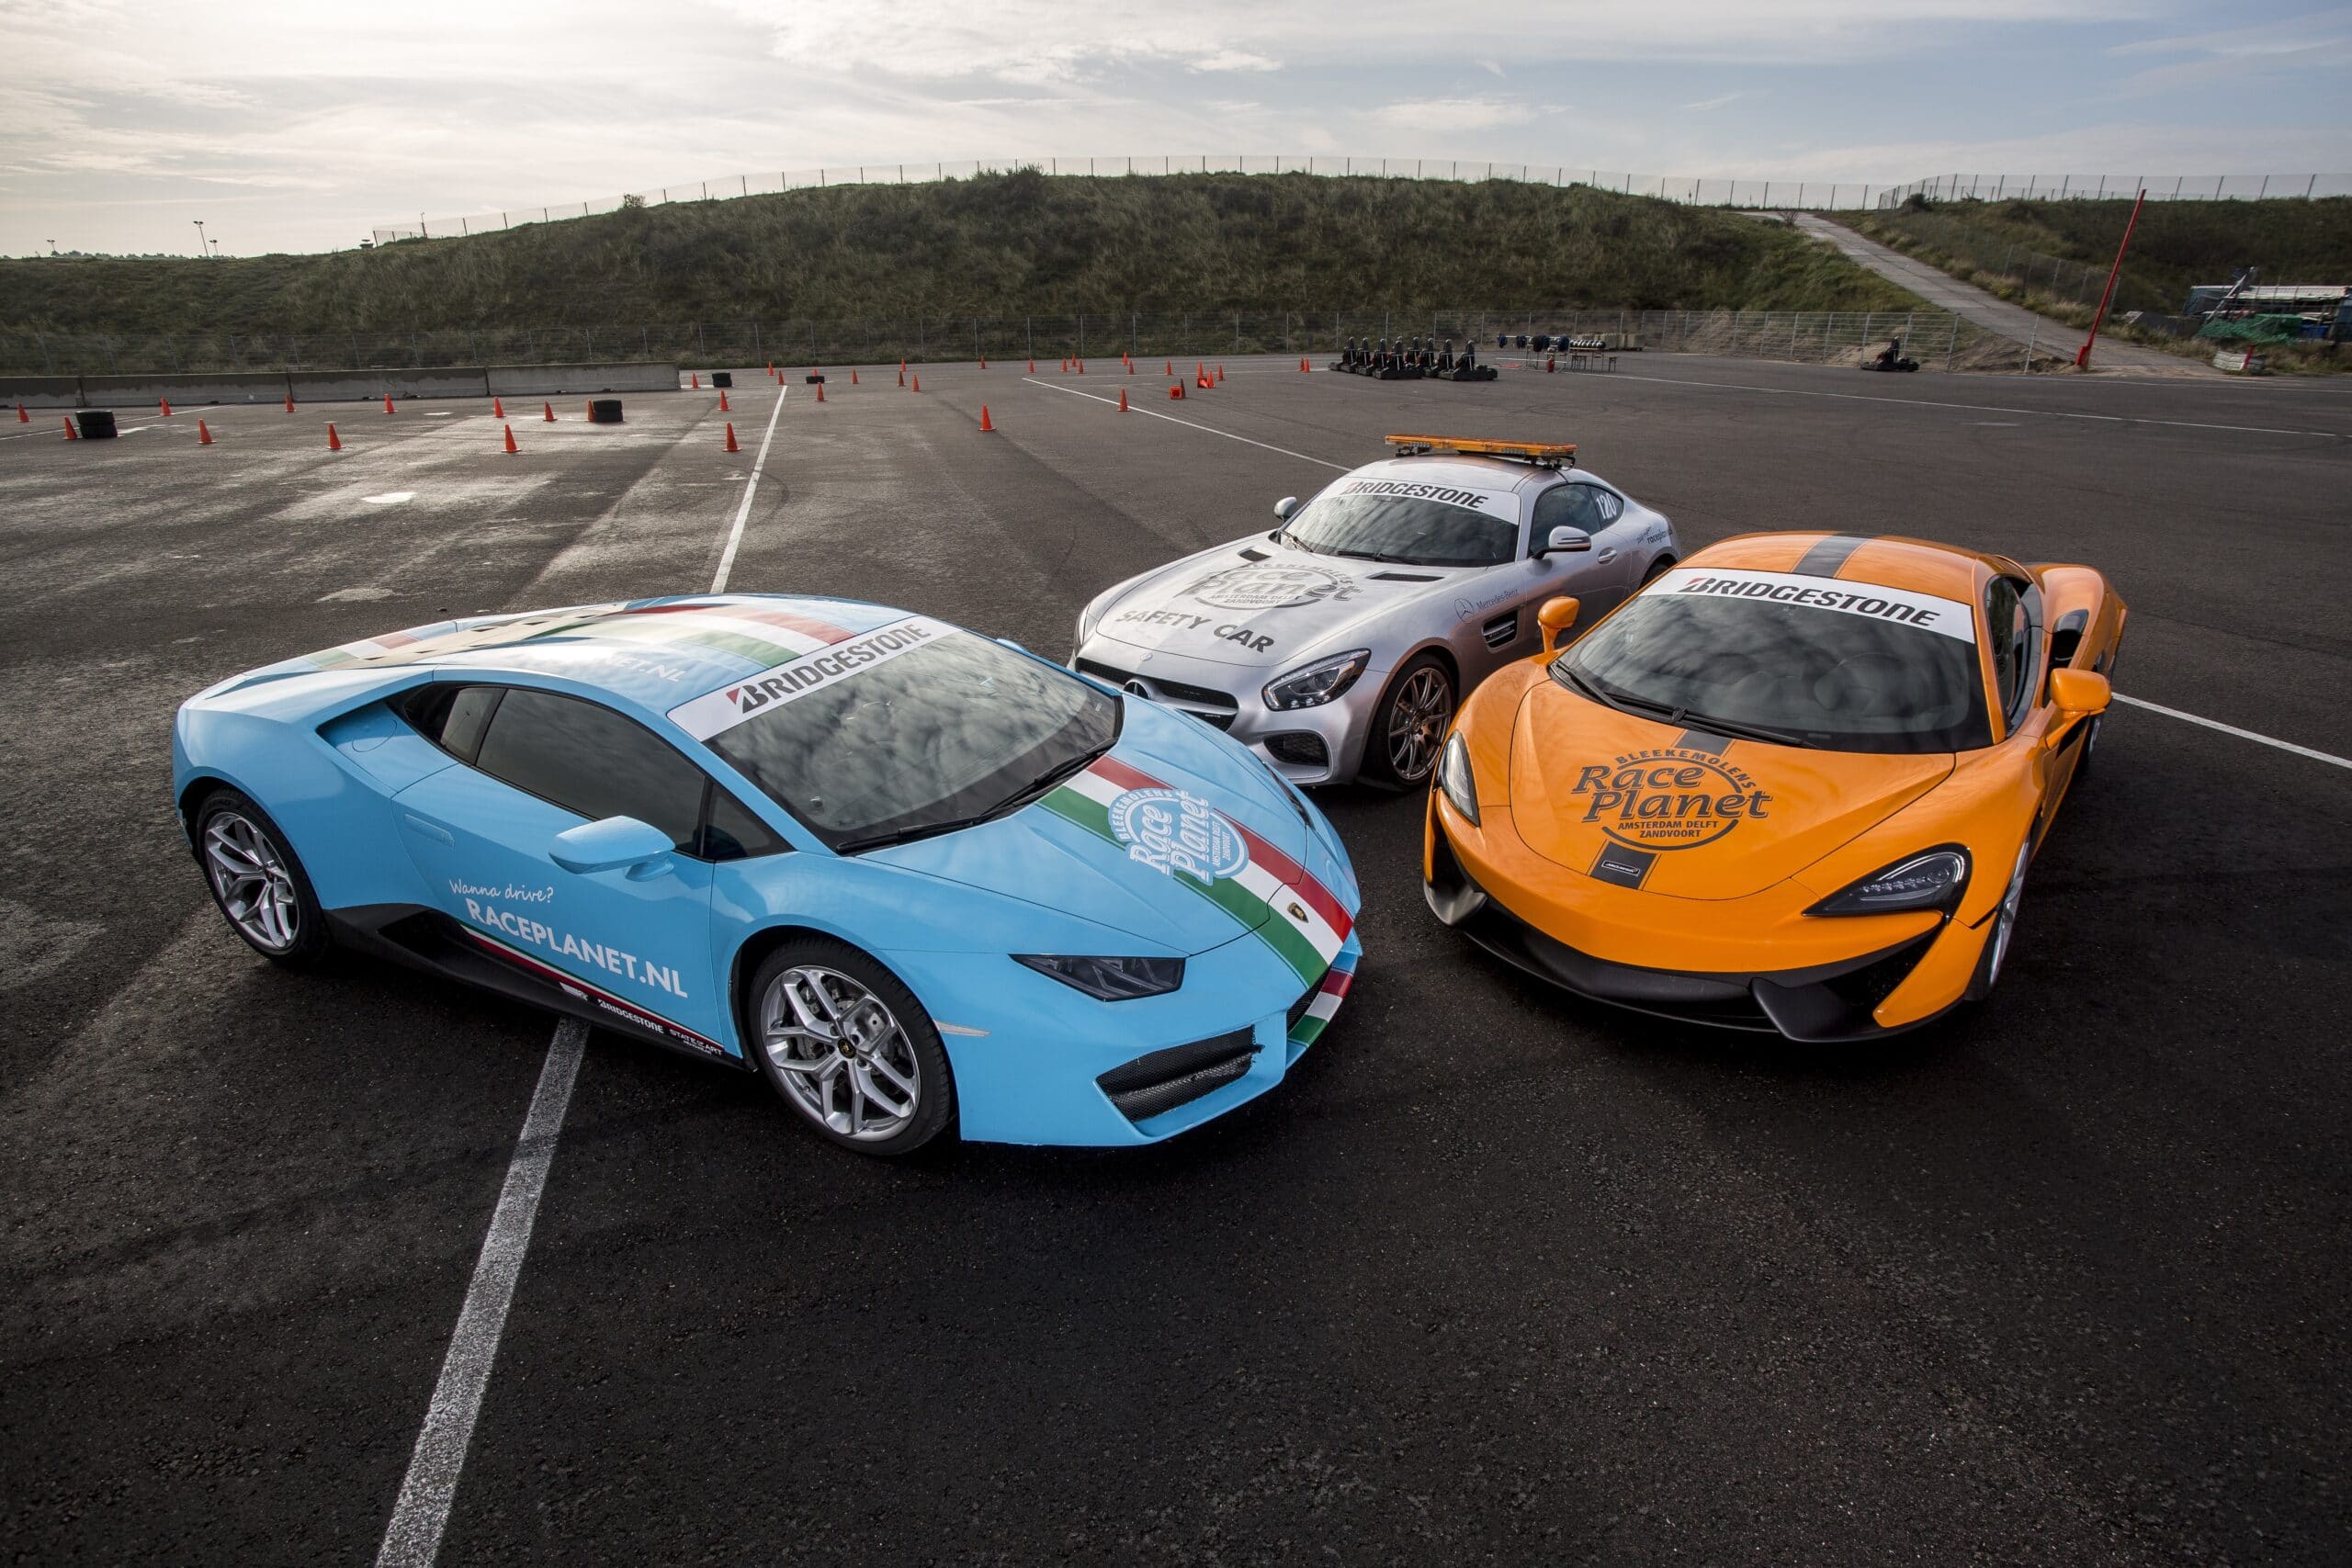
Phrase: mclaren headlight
x=1318 y=682
x=1454 y=779
x=1933 y=879
x=1109 y=979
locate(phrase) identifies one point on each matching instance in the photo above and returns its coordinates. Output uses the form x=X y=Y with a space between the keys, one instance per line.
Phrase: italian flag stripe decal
x=1260 y=899
x=1327 y=998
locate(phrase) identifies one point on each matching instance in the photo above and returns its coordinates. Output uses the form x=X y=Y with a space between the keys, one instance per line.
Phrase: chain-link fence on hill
x=1938 y=339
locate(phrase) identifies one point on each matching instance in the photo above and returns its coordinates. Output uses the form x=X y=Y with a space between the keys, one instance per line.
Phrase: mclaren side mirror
x=610 y=845
x=1284 y=507
x=1557 y=616
x=2077 y=694
x=1564 y=540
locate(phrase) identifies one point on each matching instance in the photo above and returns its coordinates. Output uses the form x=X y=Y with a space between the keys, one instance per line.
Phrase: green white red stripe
x=1327 y=998
x=1272 y=895
x=761 y=636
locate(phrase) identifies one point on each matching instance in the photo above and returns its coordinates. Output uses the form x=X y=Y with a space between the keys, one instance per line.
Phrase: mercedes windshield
x=1410 y=523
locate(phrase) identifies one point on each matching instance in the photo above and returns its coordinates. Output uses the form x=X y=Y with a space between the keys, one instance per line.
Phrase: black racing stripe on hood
x=1826 y=557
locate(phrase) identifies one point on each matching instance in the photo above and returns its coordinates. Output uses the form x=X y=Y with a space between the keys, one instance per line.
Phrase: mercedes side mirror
x=610 y=845
x=1565 y=540
x=1557 y=614
x=1284 y=507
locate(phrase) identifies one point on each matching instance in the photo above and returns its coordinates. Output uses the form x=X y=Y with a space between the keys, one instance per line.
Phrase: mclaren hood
x=1644 y=803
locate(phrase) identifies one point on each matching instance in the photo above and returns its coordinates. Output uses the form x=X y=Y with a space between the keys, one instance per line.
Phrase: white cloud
x=1453 y=114
x=1705 y=103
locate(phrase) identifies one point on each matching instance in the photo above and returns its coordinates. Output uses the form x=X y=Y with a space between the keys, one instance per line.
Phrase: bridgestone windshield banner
x=714 y=713
x=1897 y=606
x=1500 y=503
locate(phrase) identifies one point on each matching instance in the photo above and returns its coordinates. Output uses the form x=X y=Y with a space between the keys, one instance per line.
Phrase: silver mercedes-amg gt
x=1340 y=643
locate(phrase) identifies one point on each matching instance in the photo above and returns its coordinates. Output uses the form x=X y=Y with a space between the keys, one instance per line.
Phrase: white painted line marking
x=2234 y=729
x=440 y=414
x=759 y=466
x=1134 y=408
x=1978 y=408
x=413 y=1538
x=389 y=498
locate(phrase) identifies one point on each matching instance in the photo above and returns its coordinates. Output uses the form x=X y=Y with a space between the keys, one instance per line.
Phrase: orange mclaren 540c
x=1794 y=783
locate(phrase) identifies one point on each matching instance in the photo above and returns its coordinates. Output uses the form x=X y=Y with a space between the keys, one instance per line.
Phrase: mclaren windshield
x=1797 y=661
x=947 y=731
x=1411 y=522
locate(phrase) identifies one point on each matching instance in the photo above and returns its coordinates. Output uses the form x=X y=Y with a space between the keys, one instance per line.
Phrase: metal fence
x=1939 y=340
x=1778 y=194
x=2100 y=188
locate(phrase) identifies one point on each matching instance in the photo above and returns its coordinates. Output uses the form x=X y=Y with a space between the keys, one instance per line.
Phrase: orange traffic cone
x=1032 y=368
x=547 y=413
x=168 y=406
x=1169 y=367
x=1220 y=372
x=71 y=433
x=289 y=402
x=918 y=381
x=510 y=440
x=498 y=408
x=1301 y=365
x=1176 y=391
x=853 y=375
x=984 y=361
x=1123 y=400
x=902 y=372
x=1082 y=367
x=730 y=438
x=387 y=403
x=22 y=417
x=722 y=401
x=335 y=442
x=697 y=374
x=1131 y=365
x=1065 y=363
x=820 y=391
x=984 y=417
x=203 y=434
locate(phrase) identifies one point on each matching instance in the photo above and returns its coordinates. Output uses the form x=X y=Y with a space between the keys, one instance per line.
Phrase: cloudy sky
x=301 y=124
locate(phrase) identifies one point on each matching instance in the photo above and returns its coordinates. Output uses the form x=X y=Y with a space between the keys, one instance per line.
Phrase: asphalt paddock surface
x=1496 y=1275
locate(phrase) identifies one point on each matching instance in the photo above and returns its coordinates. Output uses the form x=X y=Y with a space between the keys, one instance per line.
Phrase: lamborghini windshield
x=1803 y=661
x=920 y=738
x=1411 y=522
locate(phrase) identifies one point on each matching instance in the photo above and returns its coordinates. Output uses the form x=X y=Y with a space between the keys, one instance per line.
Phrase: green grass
x=997 y=246
x=2008 y=248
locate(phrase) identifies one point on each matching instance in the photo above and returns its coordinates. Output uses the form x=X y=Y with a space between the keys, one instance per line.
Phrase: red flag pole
x=2083 y=357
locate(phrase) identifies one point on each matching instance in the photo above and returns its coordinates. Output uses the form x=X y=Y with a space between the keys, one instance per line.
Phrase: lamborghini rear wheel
x=256 y=880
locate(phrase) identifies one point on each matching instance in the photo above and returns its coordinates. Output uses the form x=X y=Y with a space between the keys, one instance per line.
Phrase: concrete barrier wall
x=333 y=386
x=228 y=387
x=369 y=386
x=553 y=380
x=42 y=392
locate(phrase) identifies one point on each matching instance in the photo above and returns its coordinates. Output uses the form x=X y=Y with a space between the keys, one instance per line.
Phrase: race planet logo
x=1262 y=587
x=818 y=669
x=1668 y=798
x=1172 y=831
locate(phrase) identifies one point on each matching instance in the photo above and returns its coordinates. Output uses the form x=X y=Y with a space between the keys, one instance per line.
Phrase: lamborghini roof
x=653 y=652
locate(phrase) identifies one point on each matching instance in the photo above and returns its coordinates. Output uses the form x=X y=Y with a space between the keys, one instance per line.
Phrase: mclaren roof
x=1919 y=565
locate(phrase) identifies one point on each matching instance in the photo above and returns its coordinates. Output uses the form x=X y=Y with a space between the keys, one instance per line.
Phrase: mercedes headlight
x=1318 y=682
x=1453 y=778
x=1092 y=616
x=1931 y=880
x=1109 y=979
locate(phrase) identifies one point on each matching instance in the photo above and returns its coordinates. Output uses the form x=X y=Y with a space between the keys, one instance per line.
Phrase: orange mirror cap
x=2080 y=694
x=1557 y=616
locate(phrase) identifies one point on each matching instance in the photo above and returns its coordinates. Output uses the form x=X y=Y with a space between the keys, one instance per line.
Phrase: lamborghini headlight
x=1454 y=777
x=1931 y=880
x=1109 y=979
x=1318 y=682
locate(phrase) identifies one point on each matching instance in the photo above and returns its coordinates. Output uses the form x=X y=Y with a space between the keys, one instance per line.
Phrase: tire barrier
x=603 y=410
x=97 y=425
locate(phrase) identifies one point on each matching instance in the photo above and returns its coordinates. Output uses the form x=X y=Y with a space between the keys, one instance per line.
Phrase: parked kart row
x=925 y=880
x=1412 y=361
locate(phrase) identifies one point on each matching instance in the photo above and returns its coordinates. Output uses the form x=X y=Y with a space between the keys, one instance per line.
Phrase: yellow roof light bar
x=1543 y=454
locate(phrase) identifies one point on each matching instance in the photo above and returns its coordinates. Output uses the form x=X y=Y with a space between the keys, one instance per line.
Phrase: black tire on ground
x=603 y=410
x=1658 y=569
x=934 y=1107
x=722 y=378
x=1407 y=686
x=235 y=814
x=97 y=424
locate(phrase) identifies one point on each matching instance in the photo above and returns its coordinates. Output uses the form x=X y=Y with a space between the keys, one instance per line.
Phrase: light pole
x=216 y=250
x=199 y=235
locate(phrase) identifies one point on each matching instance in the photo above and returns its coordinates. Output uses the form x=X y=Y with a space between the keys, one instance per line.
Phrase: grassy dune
x=995 y=246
